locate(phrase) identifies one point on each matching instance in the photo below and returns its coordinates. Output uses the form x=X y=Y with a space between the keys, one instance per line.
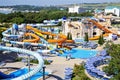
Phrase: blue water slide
x=23 y=43
x=43 y=40
x=29 y=74
x=5 y=34
x=43 y=51
x=15 y=26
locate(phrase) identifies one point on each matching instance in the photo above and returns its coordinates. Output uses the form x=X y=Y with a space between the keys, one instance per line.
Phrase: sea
x=5 y=11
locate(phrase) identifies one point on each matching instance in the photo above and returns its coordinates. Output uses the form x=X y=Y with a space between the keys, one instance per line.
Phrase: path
x=58 y=66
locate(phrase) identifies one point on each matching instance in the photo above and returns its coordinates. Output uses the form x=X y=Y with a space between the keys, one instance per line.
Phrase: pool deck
x=57 y=66
x=60 y=63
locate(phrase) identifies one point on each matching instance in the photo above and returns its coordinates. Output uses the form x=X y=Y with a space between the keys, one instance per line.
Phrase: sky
x=49 y=2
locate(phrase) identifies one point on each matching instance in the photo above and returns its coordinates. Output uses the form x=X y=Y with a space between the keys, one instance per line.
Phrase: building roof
x=98 y=11
x=82 y=9
x=111 y=7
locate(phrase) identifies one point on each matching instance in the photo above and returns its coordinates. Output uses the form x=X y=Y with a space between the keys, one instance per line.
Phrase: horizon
x=54 y=5
x=50 y=2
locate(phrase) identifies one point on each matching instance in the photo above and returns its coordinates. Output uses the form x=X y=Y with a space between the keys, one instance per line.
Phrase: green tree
x=113 y=68
x=86 y=37
x=60 y=23
x=56 y=14
x=30 y=17
x=35 y=17
x=1 y=36
x=108 y=44
x=42 y=15
x=101 y=40
x=59 y=31
x=79 y=73
x=68 y=35
x=6 y=25
x=52 y=37
x=17 y=20
x=47 y=37
x=3 y=18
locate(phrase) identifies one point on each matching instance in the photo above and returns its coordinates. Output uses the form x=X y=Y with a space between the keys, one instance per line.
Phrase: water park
x=45 y=42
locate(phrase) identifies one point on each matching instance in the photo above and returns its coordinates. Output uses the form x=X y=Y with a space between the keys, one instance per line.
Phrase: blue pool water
x=80 y=53
x=24 y=71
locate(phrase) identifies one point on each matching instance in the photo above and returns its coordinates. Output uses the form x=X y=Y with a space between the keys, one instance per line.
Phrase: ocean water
x=5 y=11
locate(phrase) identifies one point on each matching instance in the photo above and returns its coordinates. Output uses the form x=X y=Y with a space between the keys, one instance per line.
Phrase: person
x=66 y=57
x=69 y=56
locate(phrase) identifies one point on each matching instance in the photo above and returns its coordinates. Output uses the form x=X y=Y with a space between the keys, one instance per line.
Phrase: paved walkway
x=58 y=66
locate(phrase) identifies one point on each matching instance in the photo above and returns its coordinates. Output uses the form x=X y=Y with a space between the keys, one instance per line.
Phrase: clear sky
x=49 y=2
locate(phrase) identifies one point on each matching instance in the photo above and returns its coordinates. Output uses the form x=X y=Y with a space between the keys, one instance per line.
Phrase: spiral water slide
x=6 y=35
x=34 y=39
x=61 y=38
x=29 y=74
x=102 y=28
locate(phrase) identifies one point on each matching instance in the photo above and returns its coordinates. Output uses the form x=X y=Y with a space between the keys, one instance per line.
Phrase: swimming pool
x=24 y=71
x=80 y=53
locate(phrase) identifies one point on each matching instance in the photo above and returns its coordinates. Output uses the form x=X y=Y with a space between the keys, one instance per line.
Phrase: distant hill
x=60 y=7
x=31 y=8
x=92 y=5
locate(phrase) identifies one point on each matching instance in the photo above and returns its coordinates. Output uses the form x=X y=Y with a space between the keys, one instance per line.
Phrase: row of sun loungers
x=68 y=73
x=85 y=44
x=93 y=62
x=91 y=45
x=103 y=53
x=2 y=63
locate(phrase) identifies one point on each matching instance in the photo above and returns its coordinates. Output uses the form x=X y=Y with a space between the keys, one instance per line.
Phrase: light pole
x=57 y=42
x=29 y=46
x=44 y=72
x=29 y=63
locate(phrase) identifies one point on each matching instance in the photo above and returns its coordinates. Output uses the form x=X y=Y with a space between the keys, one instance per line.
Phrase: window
x=114 y=11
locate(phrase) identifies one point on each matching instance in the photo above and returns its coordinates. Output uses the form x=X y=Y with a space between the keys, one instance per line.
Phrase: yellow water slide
x=97 y=37
x=39 y=34
x=60 y=40
x=35 y=30
x=34 y=38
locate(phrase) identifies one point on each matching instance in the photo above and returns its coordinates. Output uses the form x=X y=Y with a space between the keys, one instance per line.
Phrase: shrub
x=69 y=36
x=78 y=73
x=47 y=37
x=101 y=40
x=113 y=69
x=18 y=59
x=86 y=37
x=60 y=24
x=52 y=37
x=34 y=61
x=46 y=62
